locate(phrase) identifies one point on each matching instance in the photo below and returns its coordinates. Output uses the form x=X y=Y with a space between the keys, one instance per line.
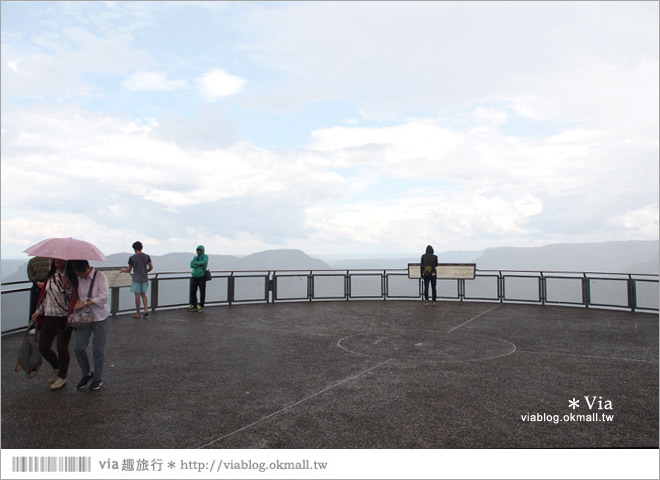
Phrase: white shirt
x=100 y=294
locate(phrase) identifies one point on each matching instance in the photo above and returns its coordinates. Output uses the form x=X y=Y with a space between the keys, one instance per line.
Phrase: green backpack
x=428 y=270
x=29 y=356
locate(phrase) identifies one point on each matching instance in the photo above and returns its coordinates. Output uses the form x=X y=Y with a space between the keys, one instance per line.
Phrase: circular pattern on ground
x=427 y=345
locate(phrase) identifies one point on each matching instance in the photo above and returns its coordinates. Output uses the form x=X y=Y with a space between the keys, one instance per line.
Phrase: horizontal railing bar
x=16 y=283
x=357 y=270
x=16 y=290
x=503 y=270
x=306 y=291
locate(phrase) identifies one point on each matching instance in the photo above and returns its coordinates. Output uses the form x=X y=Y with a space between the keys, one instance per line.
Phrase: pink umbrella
x=66 y=249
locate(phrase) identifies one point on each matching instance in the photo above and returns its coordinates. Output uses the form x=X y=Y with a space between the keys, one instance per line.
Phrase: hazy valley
x=611 y=257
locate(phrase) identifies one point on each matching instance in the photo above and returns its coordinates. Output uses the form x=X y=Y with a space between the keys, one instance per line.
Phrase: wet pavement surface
x=359 y=374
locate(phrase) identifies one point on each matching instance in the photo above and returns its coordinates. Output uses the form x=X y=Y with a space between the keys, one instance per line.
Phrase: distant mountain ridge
x=284 y=259
x=610 y=257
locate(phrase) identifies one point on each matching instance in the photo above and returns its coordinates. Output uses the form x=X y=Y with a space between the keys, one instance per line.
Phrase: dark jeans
x=433 y=281
x=197 y=282
x=55 y=327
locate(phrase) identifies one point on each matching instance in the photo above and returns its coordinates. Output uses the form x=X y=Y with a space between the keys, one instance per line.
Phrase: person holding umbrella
x=77 y=250
x=55 y=304
x=97 y=301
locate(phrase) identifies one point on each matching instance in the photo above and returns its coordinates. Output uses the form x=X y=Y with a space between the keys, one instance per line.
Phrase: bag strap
x=74 y=299
x=33 y=324
x=91 y=285
x=42 y=292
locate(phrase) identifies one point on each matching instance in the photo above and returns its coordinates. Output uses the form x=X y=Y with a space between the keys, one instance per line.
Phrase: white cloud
x=429 y=102
x=68 y=149
x=638 y=223
x=474 y=187
x=490 y=116
x=573 y=62
x=217 y=84
x=20 y=233
x=481 y=157
x=152 y=81
x=55 y=64
x=461 y=218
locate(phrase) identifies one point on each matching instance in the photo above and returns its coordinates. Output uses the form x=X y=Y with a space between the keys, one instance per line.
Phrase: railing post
x=114 y=300
x=586 y=295
x=500 y=286
x=230 y=288
x=310 y=285
x=542 y=289
x=632 y=293
x=154 y=293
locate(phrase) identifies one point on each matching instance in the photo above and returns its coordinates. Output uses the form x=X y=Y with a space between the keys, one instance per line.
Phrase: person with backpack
x=37 y=271
x=199 y=263
x=55 y=303
x=428 y=266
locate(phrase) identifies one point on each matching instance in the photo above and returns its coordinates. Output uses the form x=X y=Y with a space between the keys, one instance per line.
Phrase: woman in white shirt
x=97 y=301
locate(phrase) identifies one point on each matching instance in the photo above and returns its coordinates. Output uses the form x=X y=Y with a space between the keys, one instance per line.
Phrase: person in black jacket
x=428 y=263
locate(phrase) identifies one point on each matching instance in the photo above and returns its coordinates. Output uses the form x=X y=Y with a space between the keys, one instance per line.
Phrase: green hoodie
x=199 y=263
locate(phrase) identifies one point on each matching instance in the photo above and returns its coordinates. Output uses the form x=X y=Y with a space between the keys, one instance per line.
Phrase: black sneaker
x=84 y=381
x=95 y=386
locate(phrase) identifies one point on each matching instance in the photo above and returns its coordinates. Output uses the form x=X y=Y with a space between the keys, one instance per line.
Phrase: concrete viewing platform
x=358 y=374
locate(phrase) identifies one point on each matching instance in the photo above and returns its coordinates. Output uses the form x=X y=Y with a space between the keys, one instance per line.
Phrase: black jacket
x=429 y=260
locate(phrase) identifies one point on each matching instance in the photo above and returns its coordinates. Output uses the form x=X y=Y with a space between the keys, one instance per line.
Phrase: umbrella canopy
x=66 y=249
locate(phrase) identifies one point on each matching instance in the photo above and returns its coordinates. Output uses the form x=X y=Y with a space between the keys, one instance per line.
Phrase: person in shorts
x=139 y=265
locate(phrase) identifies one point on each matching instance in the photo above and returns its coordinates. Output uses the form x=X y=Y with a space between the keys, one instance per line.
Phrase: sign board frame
x=116 y=278
x=450 y=271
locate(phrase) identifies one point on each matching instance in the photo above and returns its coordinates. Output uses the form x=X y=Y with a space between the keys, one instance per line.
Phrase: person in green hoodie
x=198 y=265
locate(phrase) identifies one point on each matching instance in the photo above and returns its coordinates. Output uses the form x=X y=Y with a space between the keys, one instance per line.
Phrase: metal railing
x=633 y=292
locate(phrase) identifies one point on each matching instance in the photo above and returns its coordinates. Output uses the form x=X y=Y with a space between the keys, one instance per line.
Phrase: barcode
x=51 y=464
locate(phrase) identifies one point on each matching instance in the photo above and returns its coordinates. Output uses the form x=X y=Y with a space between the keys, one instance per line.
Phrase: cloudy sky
x=332 y=127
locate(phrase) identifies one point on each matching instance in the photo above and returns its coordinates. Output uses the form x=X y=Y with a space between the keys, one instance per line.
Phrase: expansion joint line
x=597 y=357
x=327 y=388
x=473 y=318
